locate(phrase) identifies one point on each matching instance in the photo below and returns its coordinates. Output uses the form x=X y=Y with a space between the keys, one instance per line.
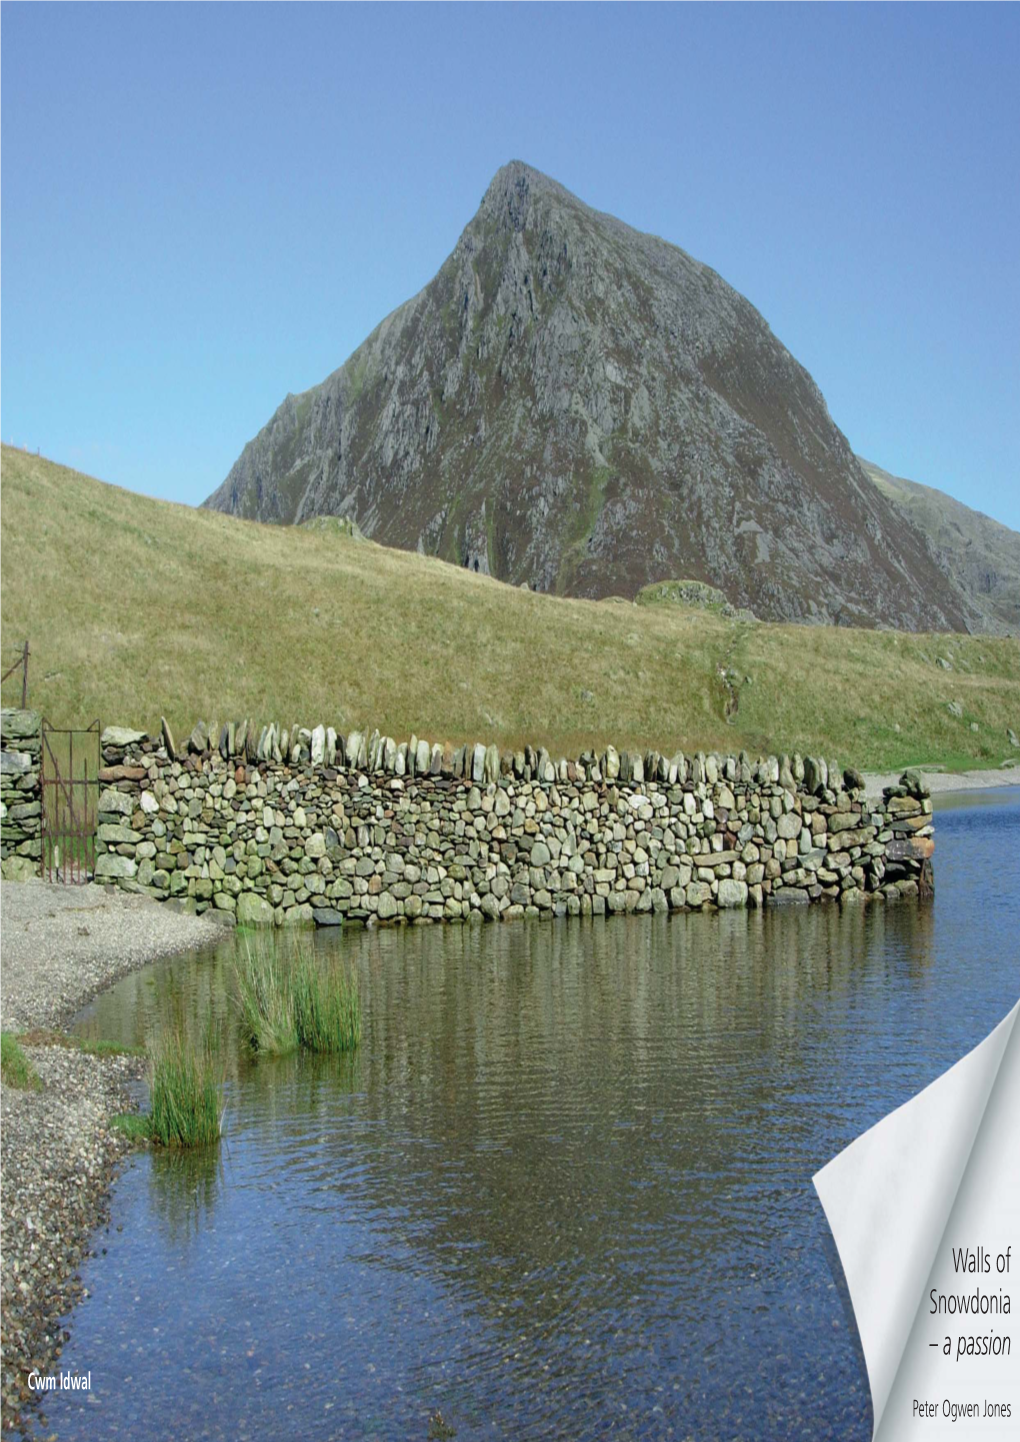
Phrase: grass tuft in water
x=15 y=1068
x=288 y=998
x=186 y=1102
x=327 y=1005
x=265 y=997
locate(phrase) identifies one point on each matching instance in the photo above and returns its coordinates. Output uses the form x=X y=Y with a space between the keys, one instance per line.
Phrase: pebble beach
x=59 y=947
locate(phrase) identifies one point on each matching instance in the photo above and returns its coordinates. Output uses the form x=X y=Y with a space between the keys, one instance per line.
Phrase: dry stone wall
x=301 y=826
x=20 y=794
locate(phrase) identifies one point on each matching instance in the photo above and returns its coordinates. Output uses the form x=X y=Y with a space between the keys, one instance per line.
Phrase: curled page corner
x=888 y=1197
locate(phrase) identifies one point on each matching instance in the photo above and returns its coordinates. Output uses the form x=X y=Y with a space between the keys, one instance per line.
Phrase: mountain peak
x=513 y=189
x=579 y=406
x=519 y=174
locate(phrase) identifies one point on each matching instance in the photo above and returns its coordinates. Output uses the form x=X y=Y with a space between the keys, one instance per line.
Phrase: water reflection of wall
x=198 y=989
x=638 y=1072
x=635 y=1073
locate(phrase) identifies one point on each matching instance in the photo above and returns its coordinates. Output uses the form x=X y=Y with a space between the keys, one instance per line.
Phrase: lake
x=563 y=1189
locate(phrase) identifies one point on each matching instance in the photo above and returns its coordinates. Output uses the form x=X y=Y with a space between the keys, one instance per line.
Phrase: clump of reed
x=186 y=1100
x=287 y=998
x=265 y=997
x=327 y=1005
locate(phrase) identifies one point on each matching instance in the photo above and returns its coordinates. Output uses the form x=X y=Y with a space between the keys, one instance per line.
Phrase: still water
x=562 y=1191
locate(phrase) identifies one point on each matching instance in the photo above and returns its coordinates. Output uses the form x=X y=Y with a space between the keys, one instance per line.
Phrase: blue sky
x=206 y=207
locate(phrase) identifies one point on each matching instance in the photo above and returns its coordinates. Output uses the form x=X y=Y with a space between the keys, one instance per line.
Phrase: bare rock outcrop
x=579 y=406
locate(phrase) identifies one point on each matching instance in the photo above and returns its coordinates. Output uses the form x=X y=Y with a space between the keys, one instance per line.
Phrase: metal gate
x=69 y=779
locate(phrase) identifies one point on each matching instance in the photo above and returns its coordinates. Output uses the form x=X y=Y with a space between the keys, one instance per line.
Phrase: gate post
x=20 y=793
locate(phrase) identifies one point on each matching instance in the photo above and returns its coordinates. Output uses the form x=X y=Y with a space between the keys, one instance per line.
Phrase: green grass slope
x=135 y=607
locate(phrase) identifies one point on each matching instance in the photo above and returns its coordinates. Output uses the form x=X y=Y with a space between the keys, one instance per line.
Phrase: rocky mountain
x=579 y=406
x=979 y=557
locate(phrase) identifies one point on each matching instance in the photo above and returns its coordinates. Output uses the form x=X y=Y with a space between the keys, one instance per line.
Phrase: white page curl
x=888 y=1198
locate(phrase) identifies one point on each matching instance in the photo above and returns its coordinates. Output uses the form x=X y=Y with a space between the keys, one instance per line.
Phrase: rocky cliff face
x=979 y=557
x=576 y=405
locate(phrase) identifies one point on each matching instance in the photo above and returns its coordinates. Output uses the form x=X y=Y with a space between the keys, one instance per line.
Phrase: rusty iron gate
x=69 y=781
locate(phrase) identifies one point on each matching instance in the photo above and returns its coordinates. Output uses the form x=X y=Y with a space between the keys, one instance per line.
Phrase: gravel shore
x=60 y=946
x=59 y=1156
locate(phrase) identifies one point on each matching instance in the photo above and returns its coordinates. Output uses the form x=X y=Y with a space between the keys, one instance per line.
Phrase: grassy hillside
x=135 y=607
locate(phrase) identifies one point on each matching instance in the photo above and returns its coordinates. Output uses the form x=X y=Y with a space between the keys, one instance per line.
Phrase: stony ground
x=58 y=1158
x=64 y=944
x=60 y=946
